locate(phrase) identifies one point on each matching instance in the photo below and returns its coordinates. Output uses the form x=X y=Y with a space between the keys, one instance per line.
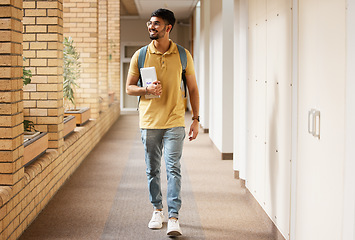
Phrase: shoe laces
x=173 y=221
x=157 y=215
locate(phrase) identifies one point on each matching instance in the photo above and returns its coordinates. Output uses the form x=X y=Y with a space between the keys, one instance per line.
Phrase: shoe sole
x=174 y=233
x=158 y=227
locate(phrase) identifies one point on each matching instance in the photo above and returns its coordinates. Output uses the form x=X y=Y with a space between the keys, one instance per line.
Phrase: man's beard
x=159 y=35
x=153 y=37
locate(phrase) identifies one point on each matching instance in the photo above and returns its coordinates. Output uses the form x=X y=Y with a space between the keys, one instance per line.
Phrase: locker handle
x=314 y=123
x=317 y=124
x=310 y=122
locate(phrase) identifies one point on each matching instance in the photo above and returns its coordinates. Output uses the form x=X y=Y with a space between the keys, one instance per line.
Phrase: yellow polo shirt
x=167 y=111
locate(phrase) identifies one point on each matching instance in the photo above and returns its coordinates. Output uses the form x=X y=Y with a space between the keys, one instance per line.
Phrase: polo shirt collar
x=172 y=49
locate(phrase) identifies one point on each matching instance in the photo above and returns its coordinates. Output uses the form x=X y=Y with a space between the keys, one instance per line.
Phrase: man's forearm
x=195 y=103
x=134 y=90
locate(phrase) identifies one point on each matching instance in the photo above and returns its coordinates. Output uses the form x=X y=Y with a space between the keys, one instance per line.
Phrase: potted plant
x=35 y=143
x=71 y=73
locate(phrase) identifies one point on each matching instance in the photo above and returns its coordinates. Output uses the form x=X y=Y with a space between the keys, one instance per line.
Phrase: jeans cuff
x=158 y=207
x=174 y=215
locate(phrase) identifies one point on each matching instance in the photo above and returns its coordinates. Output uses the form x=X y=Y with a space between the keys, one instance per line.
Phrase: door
x=320 y=166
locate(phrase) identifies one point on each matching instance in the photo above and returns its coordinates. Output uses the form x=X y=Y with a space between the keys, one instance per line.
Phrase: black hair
x=166 y=15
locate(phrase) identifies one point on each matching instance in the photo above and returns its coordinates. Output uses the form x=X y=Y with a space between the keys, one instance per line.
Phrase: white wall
x=349 y=176
x=134 y=30
x=204 y=64
x=293 y=199
x=221 y=74
x=216 y=76
x=312 y=57
x=240 y=86
x=196 y=40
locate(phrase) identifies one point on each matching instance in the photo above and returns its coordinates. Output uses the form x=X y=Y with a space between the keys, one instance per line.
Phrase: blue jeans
x=172 y=140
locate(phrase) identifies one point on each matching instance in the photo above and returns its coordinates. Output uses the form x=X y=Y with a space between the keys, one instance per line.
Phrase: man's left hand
x=194 y=130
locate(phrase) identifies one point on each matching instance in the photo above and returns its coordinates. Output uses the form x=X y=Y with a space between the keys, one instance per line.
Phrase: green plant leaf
x=28 y=126
x=71 y=70
x=27 y=74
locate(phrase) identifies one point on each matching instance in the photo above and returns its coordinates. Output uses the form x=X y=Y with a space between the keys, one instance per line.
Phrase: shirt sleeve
x=190 y=69
x=133 y=66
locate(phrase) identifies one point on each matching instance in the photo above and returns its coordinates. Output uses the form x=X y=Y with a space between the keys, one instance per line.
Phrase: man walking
x=161 y=119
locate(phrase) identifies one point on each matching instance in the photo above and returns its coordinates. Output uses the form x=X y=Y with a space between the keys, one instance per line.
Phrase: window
x=128 y=103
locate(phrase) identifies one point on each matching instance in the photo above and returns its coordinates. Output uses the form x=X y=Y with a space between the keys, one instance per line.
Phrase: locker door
x=270 y=108
x=321 y=86
x=256 y=99
x=278 y=113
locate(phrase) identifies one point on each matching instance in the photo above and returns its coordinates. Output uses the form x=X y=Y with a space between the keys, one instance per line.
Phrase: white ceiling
x=181 y=8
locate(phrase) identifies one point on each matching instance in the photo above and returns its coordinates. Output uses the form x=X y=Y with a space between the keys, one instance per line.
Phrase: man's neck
x=162 y=45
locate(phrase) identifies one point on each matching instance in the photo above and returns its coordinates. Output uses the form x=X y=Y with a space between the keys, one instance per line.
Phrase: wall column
x=114 y=47
x=204 y=73
x=103 y=54
x=240 y=87
x=43 y=49
x=222 y=76
x=11 y=105
x=349 y=168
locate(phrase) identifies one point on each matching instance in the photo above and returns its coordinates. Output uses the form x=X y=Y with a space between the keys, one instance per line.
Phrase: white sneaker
x=174 y=228
x=157 y=220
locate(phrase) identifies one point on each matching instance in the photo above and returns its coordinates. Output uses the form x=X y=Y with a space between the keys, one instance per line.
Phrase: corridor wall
x=268 y=175
x=34 y=29
x=349 y=165
x=240 y=87
x=266 y=50
x=204 y=73
x=300 y=56
x=221 y=76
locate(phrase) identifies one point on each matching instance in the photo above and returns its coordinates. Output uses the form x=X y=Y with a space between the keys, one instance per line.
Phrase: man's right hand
x=155 y=88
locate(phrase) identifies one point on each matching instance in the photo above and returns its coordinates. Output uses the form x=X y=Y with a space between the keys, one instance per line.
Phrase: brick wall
x=81 y=23
x=94 y=26
x=47 y=174
x=114 y=47
x=25 y=191
x=43 y=48
x=11 y=129
x=103 y=53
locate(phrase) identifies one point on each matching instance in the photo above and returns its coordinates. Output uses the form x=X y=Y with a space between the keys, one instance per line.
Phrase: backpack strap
x=141 y=60
x=183 y=60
